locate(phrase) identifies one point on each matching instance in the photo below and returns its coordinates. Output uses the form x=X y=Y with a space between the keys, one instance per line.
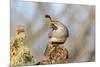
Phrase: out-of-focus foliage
x=80 y=20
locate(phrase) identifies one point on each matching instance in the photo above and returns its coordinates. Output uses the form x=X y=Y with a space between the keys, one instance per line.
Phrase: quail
x=59 y=32
x=57 y=36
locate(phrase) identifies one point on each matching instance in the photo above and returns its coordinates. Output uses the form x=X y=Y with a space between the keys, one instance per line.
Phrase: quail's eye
x=52 y=25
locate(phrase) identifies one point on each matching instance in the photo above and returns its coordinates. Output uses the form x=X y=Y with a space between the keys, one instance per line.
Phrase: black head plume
x=48 y=16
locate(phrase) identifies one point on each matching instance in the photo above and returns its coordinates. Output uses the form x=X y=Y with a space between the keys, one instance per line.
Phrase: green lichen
x=20 y=54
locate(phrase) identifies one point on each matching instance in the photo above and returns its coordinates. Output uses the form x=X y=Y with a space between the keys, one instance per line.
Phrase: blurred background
x=80 y=20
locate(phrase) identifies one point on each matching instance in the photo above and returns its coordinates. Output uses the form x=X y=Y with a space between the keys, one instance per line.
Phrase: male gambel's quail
x=59 y=32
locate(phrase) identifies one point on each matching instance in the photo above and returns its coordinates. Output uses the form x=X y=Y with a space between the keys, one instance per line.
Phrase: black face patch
x=54 y=27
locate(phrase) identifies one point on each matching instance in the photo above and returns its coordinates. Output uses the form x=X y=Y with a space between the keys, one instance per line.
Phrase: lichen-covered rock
x=57 y=55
